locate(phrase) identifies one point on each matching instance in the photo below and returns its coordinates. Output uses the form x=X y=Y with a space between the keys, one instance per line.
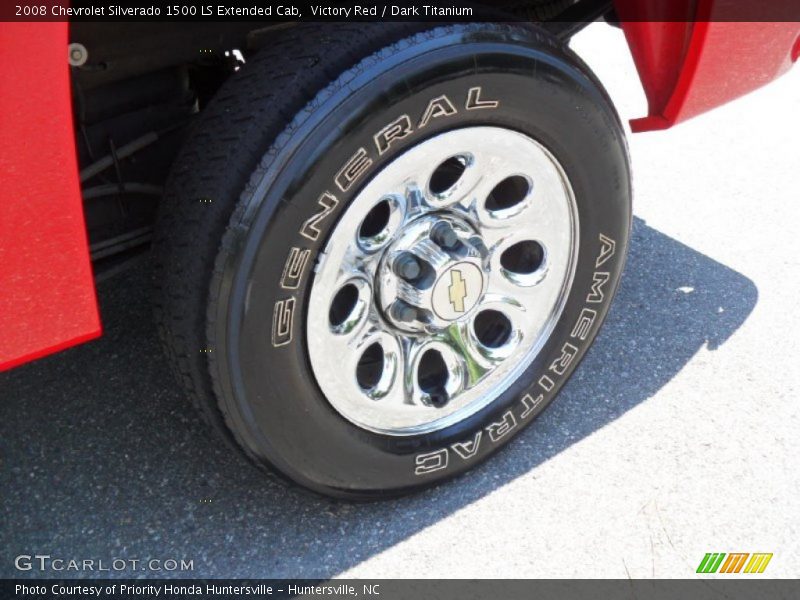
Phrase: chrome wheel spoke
x=476 y=363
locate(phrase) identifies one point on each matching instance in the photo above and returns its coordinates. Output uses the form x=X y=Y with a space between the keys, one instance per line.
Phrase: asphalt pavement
x=677 y=436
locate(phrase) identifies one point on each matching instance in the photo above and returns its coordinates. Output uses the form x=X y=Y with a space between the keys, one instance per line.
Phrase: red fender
x=47 y=297
x=688 y=68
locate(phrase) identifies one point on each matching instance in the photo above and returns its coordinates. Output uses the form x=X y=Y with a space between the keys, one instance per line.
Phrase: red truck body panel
x=47 y=294
x=690 y=68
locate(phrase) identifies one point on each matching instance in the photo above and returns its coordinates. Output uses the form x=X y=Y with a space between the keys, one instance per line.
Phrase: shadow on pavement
x=102 y=456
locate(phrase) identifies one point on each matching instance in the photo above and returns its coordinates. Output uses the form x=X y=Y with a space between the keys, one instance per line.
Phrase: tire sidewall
x=266 y=386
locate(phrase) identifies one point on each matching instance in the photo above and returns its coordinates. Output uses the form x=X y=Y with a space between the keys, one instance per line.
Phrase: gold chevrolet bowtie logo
x=457 y=290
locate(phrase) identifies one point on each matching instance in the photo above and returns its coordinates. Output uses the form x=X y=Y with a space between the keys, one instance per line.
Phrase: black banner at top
x=397 y=10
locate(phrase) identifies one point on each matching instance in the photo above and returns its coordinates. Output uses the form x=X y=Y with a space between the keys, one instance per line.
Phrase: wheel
x=382 y=253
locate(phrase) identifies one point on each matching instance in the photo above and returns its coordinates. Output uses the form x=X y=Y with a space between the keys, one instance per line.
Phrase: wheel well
x=136 y=91
x=137 y=87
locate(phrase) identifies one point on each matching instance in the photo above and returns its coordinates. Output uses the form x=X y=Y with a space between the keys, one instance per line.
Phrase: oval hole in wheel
x=376 y=220
x=447 y=174
x=344 y=302
x=508 y=193
x=370 y=367
x=432 y=372
x=492 y=328
x=523 y=258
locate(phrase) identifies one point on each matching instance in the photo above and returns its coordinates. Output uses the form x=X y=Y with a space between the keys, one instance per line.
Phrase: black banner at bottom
x=399 y=589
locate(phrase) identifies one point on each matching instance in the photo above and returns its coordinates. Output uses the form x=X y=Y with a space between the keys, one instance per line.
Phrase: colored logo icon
x=736 y=562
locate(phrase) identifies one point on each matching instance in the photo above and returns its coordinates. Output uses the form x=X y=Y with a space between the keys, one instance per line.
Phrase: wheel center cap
x=457 y=290
x=433 y=274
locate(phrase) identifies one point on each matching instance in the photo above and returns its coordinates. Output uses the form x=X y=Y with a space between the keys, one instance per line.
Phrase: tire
x=277 y=164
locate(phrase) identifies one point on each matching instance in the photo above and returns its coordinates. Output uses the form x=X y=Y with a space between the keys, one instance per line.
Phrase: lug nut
x=438 y=398
x=407 y=266
x=444 y=235
x=403 y=311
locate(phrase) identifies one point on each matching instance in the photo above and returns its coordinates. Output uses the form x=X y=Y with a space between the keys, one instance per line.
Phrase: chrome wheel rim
x=442 y=281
